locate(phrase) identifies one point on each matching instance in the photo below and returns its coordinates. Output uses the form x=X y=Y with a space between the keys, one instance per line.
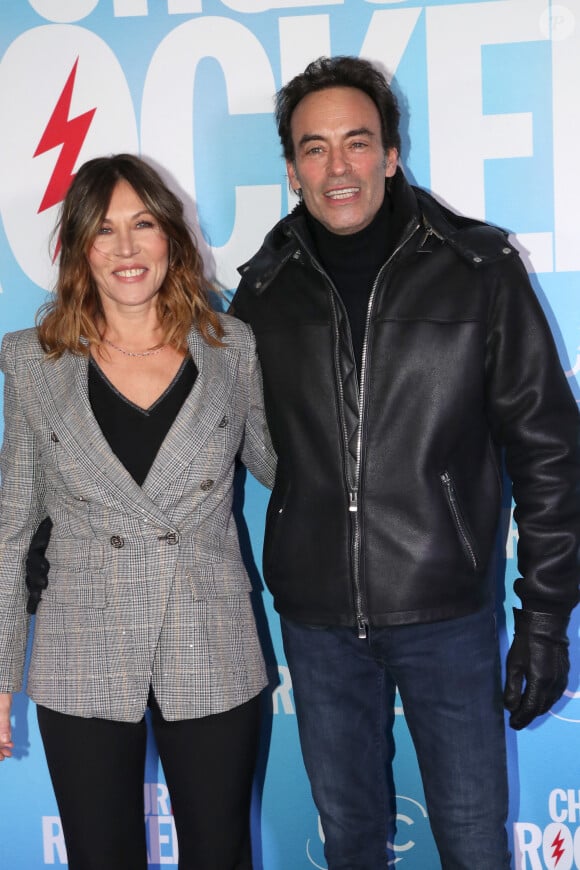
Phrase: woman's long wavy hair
x=74 y=317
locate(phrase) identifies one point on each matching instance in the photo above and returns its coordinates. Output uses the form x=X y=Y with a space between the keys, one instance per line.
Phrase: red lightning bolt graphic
x=70 y=133
x=557 y=843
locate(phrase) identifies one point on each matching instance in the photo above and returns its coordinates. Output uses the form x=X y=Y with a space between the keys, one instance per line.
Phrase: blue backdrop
x=491 y=124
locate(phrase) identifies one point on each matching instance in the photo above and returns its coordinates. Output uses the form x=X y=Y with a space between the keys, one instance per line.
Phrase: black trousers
x=97 y=769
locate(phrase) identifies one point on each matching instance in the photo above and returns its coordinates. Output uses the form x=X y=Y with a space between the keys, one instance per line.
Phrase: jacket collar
x=474 y=241
x=62 y=390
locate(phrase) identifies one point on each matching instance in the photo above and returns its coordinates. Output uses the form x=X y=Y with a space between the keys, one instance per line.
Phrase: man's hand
x=6 y=744
x=537 y=665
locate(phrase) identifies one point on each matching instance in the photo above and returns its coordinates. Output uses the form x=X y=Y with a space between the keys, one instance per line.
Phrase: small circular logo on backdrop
x=315 y=848
x=413 y=841
x=567 y=709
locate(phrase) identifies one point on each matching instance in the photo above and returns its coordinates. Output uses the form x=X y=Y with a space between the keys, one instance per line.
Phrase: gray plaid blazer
x=146 y=585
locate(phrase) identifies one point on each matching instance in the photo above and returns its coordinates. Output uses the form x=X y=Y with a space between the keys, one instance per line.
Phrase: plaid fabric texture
x=146 y=585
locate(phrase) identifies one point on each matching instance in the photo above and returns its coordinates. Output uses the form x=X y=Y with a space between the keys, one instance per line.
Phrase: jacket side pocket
x=459 y=521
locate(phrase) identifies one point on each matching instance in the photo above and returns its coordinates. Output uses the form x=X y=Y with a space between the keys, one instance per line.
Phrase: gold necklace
x=157 y=349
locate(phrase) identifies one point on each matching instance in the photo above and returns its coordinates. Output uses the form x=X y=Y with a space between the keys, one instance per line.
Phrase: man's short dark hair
x=339 y=72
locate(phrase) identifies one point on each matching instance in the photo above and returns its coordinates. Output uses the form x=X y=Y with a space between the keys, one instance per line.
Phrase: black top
x=353 y=262
x=135 y=434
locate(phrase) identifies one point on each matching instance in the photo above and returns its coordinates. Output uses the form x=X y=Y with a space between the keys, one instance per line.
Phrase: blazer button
x=117 y=542
x=206 y=485
x=223 y=422
x=172 y=538
x=54 y=438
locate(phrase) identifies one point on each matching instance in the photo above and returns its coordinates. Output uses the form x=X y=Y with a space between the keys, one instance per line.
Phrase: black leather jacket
x=388 y=491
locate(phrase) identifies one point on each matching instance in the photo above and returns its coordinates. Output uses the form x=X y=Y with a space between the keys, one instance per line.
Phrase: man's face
x=340 y=163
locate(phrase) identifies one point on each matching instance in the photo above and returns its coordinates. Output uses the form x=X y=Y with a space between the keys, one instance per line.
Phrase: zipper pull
x=362 y=629
x=428 y=232
x=353 y=502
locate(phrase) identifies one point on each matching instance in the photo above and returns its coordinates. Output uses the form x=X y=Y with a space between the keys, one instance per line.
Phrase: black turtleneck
x=352 y=262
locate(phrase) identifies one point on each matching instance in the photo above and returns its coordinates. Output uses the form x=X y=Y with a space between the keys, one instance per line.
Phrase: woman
x=124 y=412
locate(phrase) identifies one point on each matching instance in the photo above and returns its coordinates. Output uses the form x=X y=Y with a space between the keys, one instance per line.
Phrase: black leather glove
x=37 y=565
x=538 y=656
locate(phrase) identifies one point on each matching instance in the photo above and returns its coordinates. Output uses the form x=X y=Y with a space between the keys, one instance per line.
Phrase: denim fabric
x=448 y=676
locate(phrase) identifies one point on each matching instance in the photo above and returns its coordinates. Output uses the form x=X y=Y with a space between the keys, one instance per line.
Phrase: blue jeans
x=448 y=675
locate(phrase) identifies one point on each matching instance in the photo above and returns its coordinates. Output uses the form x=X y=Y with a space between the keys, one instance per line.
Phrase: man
x=403 y=354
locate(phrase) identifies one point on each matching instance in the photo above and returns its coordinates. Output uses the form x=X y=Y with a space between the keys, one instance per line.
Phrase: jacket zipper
x=333 y=296
x=353 y=486
x=447 y=482
x=361 y=615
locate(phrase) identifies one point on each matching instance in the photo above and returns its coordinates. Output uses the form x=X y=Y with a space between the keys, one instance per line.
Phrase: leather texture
x=537 y=665
x=461 y=371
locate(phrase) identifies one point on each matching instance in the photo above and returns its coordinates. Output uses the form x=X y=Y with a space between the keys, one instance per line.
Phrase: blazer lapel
x=62 y=389
x=200 y=414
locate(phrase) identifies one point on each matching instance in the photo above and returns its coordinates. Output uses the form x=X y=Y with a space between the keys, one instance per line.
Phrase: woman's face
x=129 y=256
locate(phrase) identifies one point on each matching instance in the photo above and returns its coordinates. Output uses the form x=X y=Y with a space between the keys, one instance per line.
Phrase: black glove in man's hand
x=537 y=665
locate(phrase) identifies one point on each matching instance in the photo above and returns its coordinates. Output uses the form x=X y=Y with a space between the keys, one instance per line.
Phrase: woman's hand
x=6 y=743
